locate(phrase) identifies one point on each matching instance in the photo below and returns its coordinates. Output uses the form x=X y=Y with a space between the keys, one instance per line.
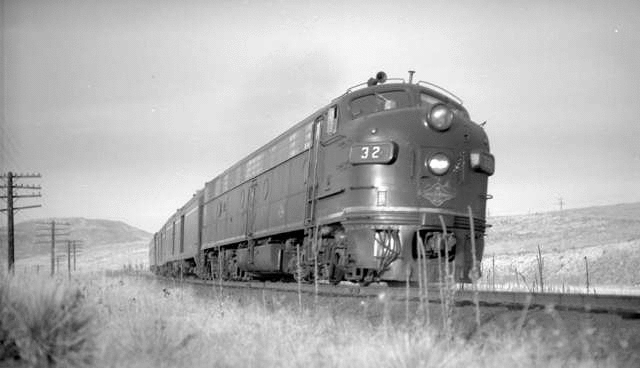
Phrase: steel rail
x=627 y=306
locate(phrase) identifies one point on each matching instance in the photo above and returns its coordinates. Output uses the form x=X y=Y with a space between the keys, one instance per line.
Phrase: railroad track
x=627 y=306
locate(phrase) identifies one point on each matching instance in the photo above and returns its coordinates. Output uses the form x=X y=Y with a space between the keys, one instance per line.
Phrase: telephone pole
x=71 y=247
x=11 y=195
x=76 y=245
x=53 y=247
x=69 y=258
x=56 y=230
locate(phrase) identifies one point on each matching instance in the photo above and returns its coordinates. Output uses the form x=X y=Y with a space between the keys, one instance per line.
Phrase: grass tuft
x=8 y=348
x=45 y=324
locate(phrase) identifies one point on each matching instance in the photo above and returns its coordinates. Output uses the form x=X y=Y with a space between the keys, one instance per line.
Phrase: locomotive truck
x=387 y=175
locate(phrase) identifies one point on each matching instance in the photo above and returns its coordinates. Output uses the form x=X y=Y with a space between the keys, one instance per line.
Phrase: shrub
x=8 y=348
x=45 y=324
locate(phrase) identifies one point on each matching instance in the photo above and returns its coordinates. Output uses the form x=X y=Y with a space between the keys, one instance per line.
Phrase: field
x=598 y=245
x=132 y=321
x=100 y=257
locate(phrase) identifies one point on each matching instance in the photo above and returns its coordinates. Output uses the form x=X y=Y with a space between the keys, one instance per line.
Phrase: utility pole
x=11 y=196
x=56 y=230
x=72 y=246
x=53 y=247
x=77 y=247
x=560 y=203
x=69 y=258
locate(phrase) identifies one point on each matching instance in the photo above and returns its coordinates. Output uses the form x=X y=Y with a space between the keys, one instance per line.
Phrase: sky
x=126 y=108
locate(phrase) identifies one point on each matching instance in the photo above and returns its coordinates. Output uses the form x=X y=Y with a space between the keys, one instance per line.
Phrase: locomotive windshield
x=381 y=101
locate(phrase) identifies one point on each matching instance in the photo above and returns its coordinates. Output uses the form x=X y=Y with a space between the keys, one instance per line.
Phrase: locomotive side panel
x=258 y=220
x=173 y=230
x=152 y=254
x=225 y=218
x=271 y=202
x=166 y=245
x=223 y=226
x=234 y=213
x=277 y=196
x=295 y=194
x=191 y=230
x=208 y=225
x=267 y=197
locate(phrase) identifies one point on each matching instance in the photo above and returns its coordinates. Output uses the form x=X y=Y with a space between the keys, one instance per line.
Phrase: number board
x=372 y=153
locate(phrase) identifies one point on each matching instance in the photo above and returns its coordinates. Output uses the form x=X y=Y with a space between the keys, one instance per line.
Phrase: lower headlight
x=438 y=164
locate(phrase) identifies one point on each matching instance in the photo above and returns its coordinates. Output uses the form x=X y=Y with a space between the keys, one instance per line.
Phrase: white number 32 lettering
x=370 y=152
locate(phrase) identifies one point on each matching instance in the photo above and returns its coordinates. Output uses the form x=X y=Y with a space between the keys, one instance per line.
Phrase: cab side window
x=328 y=123
x=332 y=121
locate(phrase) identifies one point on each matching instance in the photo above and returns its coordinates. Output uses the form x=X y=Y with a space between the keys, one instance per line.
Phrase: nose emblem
x=437 y=193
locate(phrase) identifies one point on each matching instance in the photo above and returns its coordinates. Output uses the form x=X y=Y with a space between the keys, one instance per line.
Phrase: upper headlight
x=440 y=117
x=438 y=164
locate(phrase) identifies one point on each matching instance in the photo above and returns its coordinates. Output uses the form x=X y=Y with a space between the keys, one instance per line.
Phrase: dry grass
x=133 y=321
x=45 y=323
x=147 y=324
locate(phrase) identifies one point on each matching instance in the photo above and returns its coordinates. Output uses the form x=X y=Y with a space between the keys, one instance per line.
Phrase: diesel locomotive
x=390 y=173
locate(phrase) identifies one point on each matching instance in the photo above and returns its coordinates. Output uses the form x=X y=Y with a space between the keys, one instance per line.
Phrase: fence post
x=586 y=266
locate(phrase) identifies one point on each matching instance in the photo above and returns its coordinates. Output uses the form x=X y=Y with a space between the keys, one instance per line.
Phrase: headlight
x=438 y=164
x=440 y=117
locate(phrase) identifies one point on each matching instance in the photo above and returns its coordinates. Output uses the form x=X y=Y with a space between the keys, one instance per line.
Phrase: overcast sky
x=126 y=108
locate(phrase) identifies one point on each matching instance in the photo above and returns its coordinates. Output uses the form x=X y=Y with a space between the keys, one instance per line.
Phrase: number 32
x=370 y=152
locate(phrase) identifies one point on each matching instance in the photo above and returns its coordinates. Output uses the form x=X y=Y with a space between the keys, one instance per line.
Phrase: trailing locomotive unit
x=350 y=193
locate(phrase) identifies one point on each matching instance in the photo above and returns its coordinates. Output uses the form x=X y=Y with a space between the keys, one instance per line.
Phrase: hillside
x=99 y=257
x=33 y=239
x=559 y=231
x=605 y=239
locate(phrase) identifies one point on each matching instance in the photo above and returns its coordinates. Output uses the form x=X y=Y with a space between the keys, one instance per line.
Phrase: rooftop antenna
x=411 y=73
